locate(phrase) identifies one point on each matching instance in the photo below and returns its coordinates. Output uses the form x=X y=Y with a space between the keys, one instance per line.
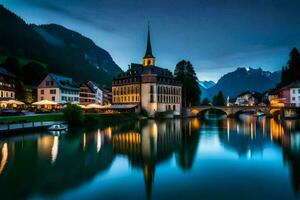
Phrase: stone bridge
x=232 y=111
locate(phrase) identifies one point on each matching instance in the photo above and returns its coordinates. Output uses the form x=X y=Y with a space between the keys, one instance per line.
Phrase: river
x=212 y=158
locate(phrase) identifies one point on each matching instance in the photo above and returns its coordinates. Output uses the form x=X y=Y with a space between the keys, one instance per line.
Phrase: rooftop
x=64 y=82
x=139 y=69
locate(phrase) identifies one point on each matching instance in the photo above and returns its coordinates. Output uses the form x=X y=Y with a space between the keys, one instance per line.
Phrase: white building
x=247 y=99
x=294 y=94
x=59 y=89
x=90 y=93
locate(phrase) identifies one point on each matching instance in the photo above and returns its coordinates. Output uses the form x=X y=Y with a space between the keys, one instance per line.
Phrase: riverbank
x=21 y=124
x=89 y=117
x=32 y=118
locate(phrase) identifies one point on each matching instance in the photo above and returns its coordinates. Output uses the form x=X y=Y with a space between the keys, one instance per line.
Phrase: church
x=151 y=88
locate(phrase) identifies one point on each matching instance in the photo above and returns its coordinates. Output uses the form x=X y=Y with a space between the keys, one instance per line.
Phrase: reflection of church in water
x=155 y=143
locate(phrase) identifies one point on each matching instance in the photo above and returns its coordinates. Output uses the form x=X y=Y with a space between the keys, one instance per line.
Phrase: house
x=271 y=95
x=291 y=94
x=107 y=96
x=7 y=85
x=58 y=88
x=152 y=88
x=248 y=98
x=90 y=93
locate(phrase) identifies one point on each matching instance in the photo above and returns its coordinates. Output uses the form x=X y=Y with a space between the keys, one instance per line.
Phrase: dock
x=11 y=129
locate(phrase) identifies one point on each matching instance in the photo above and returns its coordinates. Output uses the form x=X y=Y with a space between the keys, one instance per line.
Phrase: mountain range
x=64 y=51
x=240 y=80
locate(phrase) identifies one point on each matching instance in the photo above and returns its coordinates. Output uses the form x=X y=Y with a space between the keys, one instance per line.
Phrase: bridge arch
x=199 y=111
x=230 y=111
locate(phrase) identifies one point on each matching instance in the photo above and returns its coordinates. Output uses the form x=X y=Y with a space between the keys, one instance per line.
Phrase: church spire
x=149 y=59
x=148 y=53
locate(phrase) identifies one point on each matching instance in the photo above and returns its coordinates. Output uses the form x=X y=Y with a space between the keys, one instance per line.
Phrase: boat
x=58 y=127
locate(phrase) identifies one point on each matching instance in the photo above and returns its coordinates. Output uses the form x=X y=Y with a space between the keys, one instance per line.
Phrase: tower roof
x=148 y=53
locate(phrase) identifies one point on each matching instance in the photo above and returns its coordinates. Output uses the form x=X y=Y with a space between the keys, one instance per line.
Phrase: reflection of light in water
x=289 y=125
x=107 y=132
x=295 y=141
x=4 y=157
x=228 y=130
x=251 y=130
x=98 y=141
x=249 y=154
x=264 y=125
x=84 y=141
x=238 y=128
x=196 y=123
x=276 y=129
x=54 y=150
x=154 y=130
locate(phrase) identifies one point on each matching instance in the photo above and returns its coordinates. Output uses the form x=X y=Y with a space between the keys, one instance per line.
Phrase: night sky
x=216 y=36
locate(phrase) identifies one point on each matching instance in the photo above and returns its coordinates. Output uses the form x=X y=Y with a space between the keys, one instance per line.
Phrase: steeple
x=149 y=59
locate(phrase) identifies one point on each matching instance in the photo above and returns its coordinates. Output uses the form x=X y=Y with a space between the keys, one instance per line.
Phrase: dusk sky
x=216 y=36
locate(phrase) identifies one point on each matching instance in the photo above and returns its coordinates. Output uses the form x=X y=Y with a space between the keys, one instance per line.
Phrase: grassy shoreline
x=32 y=118
x=89 y=117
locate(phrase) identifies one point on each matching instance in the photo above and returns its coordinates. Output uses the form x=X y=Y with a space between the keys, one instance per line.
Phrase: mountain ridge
x=243 y=79
x=65 y=51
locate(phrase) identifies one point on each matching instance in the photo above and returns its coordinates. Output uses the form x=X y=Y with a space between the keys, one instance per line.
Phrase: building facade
x=90 y=93
x=248 y=99
x=291 y=94
x=153 y=88
x=59 y=89
x=107 y=96
x=7 y=85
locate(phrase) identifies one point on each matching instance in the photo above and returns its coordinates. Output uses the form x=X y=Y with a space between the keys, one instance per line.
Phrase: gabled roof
x=92 y=86
x=64 y=82
x=6 y=73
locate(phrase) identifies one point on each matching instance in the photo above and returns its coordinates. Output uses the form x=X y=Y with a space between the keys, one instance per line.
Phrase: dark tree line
x=185 y=73
x=29 y=74
x=291 y=72
x=219 y=99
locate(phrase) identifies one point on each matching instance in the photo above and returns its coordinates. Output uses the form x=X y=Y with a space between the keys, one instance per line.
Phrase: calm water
x=248 y=158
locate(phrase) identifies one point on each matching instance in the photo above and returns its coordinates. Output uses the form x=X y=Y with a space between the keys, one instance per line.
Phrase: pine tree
x=291 y=72
x=218 y=100
x=185 y=73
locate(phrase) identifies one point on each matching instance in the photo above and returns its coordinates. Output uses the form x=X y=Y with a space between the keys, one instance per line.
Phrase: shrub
x=73 y=115
x=144 y=113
